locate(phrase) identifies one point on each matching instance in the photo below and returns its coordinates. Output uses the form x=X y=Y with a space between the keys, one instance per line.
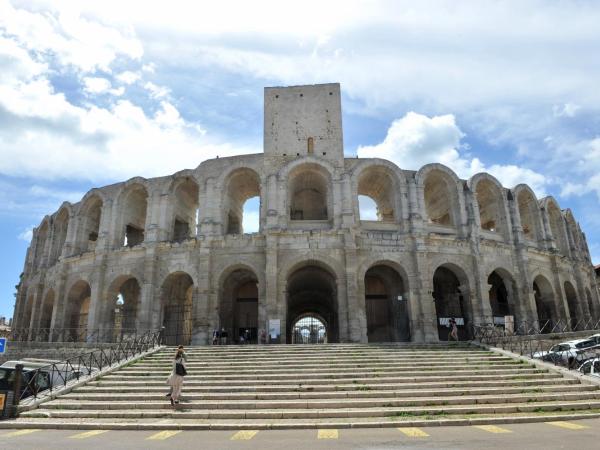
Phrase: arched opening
x=377 y=185
x=440 y=202
x=91 y=214
x=124 y=301
x=558 y=228
x=26 y=316
x=42 y=236
x=491 y=207
x=78 y=306
x=590 y=301
x=545 y=304
x=185 y=210
x=572 y=303
x=309 y=329
x=135 y=204
x=309 y=197
x=47 y=310
x=312 y=292
x=386 y=306
x=529 y=215
x=177 y=308
x=243 y=190
x=502 y=304
x=238 y=306
x=59 y=234
x=450 y=303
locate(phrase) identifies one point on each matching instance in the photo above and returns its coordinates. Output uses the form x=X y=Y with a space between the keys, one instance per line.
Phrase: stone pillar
x=148 y=294
x=357 y=315
x=204 y=323
x=274 y=298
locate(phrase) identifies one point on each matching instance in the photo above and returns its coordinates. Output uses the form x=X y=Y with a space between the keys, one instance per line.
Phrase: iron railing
x=83 y=335
x=44 y=381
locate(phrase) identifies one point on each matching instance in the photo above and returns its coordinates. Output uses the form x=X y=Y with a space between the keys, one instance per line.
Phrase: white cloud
x=251 y=221
x=96 y=85
x=157 y=91
x=566 y=110
x=128 y=77
x=415 y=140
x=26 y=235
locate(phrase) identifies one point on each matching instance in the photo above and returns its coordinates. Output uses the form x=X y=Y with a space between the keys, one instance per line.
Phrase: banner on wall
x=274 y=327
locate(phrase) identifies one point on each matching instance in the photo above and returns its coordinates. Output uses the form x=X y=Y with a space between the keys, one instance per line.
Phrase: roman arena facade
x=171 y=251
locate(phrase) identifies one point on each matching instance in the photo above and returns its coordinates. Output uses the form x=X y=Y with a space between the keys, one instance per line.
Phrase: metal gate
x=177 y=320
x=309 y=329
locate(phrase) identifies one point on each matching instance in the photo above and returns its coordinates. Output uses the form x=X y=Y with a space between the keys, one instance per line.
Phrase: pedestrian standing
x=453 y=329
x=175 y=380
x=184 y=356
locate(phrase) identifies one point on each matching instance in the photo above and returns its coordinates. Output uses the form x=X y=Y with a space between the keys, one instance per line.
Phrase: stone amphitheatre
x=171 y=251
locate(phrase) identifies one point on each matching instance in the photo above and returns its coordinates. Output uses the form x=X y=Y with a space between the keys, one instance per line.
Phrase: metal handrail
x=45 y=380
x=107 y=335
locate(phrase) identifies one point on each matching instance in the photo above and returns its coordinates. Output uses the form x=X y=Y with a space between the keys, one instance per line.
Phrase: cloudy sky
x=94 y=94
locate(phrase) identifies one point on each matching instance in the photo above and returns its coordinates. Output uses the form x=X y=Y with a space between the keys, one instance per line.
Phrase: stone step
x=99 y=393
x=530 y=383
x=320 y=355
x=179 y=422
x=196 y=367
x=305 y=376
x=124 y=404
x=183 y=411
x=198 y=381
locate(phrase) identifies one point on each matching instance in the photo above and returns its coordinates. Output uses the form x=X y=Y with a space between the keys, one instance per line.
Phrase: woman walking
x=175 y=380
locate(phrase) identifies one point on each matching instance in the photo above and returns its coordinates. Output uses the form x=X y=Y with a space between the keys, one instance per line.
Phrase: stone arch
x=385 y=290
x=177 y=306
x=380 y=184
x=41 y=239
x=239 y=186
x=590 y=301
x=489 y=195
x=27 y=312
x=441 y=197
x=90 y=215
x=77 y=310
x=60 y=225
x=557 y=224
x=47 y=310
x=185 y=191
x=502 y=292
x=529 y=213
x=239 y=302
x=133 y=201
x=122 y=307
x=311 y=289
x=572 y=304
x=310 y=195
x=545 y=304
x=451 y=294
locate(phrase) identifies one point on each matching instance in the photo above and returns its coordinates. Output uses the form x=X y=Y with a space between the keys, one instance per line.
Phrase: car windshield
x=7 y=375
x=585 y=344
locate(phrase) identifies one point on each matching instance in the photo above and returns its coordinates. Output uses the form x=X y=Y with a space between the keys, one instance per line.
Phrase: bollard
x=16 y=390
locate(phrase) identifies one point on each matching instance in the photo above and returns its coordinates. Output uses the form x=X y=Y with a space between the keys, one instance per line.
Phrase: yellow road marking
x=244 y=435
x=492 y=429
x=19 y=433
x=567 y=425
x=87 y=434
x=413 y=432
x=328 y=434
x=162 y=435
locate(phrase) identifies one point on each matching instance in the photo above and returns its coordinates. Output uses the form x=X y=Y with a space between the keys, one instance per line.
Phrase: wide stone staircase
x=322 y=386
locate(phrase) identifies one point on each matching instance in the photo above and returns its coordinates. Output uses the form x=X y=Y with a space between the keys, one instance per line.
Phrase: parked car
x=569 y=353
x=591 y=367
x=595 y=337
x=45 y=376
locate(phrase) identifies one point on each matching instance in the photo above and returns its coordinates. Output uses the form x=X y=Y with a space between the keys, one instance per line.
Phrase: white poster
x=274 y=328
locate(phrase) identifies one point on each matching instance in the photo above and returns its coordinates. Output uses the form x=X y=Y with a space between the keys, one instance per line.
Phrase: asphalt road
x=582 y=434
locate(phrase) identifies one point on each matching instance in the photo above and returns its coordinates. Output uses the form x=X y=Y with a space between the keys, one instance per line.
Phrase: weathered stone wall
x=77 y=263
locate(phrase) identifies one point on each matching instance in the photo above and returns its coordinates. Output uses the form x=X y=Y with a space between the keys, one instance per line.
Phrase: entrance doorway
x=312 y=306
x=310 y=329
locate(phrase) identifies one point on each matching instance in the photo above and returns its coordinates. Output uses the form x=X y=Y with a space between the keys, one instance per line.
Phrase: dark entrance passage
x=311 y=306
x=309 y=329
x=238 y=307
x=386 y=306
x=177 y=293
x=545 y=305
x=449 y=303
